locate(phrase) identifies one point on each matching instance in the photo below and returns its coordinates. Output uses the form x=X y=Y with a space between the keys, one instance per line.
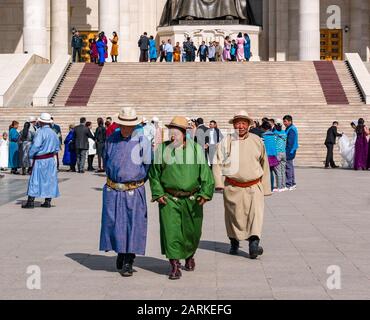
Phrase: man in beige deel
x=241 y=158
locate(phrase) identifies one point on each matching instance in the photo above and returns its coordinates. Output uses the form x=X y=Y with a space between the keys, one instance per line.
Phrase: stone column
x=272 y=30
x=282 y=31
x=34 y=27
x=59 y=28
x=109 y=19
x=309 y=30
x=359 y=32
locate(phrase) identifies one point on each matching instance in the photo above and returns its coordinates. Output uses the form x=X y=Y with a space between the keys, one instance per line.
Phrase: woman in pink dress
x=227 y=48
x=240 y=41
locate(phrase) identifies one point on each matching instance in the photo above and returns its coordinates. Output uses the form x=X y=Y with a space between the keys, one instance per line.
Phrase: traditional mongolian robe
x=240 y=54
x=185 y=170
x=101 y=50
x=243 y=161
x=44 y=179
x=152 y=50
x=24 y=149
x=69 y=157
x=247 y=48
x=13 y=149
x=114 y=50
x=124 y=217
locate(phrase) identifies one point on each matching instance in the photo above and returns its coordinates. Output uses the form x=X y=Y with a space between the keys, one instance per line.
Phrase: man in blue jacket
x=291 y=151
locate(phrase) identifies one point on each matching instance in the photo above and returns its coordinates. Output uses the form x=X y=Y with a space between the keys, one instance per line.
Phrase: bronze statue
x=176 y=10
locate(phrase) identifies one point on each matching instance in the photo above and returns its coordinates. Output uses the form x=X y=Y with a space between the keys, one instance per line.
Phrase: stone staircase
x=214 y=92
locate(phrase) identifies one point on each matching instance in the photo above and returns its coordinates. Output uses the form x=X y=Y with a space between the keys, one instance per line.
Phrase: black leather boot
x=234 y=249
x=119 y=261
x=255 y=249
x=128 y=270
x=30 y=204
x=47 y=203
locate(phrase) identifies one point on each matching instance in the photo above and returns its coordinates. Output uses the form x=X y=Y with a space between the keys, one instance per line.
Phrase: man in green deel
x=181 y=182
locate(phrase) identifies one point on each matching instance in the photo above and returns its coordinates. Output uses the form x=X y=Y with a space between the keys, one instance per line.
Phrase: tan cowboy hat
x=178 y=122
x=127 y=117
x=242 y=114
x=45 y=118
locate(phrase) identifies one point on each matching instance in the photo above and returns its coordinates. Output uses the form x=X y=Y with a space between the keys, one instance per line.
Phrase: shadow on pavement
x=105 y=263
x=220 y=247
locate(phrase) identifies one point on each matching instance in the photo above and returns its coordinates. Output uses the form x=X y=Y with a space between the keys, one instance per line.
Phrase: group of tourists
x=238 y=49
x=355 y=151
x=280 y=137
x=98 y=48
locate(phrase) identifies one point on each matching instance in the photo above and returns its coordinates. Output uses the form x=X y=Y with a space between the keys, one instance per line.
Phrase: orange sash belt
x=249 y=184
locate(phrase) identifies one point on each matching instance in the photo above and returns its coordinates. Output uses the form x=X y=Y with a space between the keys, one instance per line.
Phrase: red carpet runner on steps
x=330 y=83
x=82 y=90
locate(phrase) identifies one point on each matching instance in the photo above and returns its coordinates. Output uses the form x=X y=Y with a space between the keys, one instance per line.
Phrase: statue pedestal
x=211 y=32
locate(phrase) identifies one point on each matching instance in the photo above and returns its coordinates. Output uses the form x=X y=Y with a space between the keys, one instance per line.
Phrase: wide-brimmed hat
x=155 y=120
x=127 y=117
x=242 y=114
x=178 y=122
x=45 y=118
x=32 y=119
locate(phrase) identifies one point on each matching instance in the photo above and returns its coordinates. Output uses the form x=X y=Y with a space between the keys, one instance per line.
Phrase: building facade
x=291 y=30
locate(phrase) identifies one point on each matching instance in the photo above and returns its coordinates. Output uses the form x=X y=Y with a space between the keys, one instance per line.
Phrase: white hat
x=155 y=120
x=32 y=119
x=279 y=121
x=127 y=117
x=45 y=118
x=242 y=114
x=145 y=120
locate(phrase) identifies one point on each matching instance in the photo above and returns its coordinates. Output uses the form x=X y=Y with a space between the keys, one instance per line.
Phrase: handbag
x=273 y=161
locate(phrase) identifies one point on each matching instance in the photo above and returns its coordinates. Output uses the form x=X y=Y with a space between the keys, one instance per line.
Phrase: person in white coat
x=92 y=149
x=4 y=152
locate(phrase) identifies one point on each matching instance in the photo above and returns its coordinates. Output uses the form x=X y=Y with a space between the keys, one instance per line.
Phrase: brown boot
x=190 y=264
x=175 y=273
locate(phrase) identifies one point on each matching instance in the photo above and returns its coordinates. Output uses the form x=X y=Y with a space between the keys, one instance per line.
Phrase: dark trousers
x=203 y=58
x=212 y=59
x=76 y=51
x=90 y=160
x=290 y=174
x=162 y=58
x=189 y=57
x=143 y=55
x=330 y=155
x=81 y=159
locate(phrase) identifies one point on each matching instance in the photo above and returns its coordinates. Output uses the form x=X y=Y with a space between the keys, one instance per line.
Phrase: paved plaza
x=326 y=222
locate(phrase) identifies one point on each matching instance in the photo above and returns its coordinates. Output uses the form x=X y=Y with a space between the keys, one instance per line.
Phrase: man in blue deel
x=44 y=179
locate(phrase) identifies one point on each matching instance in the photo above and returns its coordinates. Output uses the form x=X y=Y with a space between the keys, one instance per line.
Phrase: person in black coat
x=80 y=143
x=100 y=138
x=76 y=44
x=215 y=136
x=330 y=141
x=144 y=47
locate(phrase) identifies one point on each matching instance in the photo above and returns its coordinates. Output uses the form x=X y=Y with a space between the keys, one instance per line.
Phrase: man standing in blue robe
x=127 y=158
x=44 y=179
